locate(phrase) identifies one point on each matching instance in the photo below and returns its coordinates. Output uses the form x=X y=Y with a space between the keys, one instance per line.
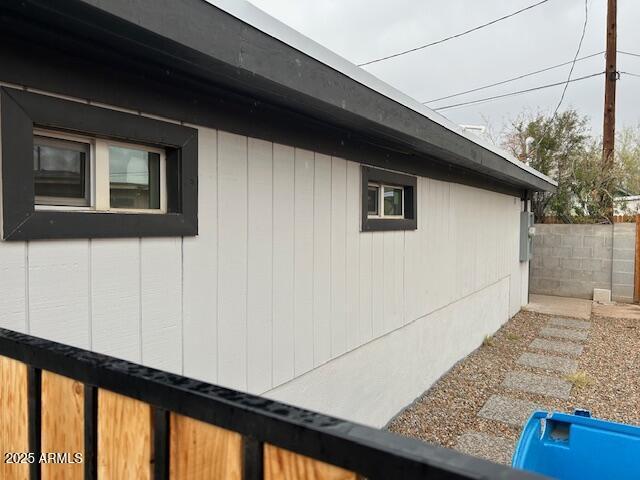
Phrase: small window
x=61 y=171
x=393 y=201
x=134 y=178
x=73 y=171
x=390 y=200
x=390 y=197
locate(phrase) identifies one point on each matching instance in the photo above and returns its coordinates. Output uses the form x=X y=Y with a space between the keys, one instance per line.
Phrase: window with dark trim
x=71 y=170
x=388 y=200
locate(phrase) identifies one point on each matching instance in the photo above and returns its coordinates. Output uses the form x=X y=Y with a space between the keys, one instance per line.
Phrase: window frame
x=88 y=175
x=24 y=113
x=386 y=178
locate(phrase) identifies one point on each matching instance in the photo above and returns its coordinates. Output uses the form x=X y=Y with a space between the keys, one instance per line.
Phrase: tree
x=628 y=155
x=564 y=149
x=558 y=144
x=594 y=187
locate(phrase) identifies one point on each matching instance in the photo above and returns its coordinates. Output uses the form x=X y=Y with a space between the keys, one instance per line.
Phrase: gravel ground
x=611 y=360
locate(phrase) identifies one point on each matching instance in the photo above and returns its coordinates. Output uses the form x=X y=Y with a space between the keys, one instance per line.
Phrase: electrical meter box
x=527 y=231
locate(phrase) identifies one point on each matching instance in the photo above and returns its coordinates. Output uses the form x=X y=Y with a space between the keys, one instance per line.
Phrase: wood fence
x=67 y=413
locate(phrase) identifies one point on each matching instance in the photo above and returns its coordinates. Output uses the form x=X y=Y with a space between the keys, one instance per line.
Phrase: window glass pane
x=60 y=171
x=134 y=177
x=372 y=201
x=393 y=201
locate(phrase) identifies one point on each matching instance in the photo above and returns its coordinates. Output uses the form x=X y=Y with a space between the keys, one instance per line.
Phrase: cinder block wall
x=624 y=252
x=572 y=260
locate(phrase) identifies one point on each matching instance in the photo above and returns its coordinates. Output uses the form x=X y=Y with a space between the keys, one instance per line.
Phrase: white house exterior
x=278 y=289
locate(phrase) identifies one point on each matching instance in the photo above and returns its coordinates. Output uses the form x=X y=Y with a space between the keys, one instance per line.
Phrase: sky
x=361 y=30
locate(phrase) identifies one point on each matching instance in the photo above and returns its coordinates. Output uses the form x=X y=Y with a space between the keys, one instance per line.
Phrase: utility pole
x=611 y=77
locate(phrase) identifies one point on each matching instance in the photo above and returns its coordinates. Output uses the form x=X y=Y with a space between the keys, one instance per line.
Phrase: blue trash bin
x=578 y=447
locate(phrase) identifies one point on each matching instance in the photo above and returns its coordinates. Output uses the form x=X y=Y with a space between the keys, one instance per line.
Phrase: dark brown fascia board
x=240 y=57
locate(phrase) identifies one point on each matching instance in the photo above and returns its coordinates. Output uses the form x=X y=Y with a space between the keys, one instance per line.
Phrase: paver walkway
x=564 y=333
x=540 y=384
x=548 y=383
x=548 y=362
x=570 y=323
x=508 y=410
x=486 y=446
x=556 y=346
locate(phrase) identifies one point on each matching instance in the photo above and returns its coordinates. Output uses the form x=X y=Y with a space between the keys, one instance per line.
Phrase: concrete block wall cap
x=601 y=295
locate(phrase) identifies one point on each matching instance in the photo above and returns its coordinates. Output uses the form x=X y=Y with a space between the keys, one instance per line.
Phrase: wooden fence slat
x=62 y=425
x=14 y=423
x=201 y=451
x=124 y=437
x=282 y=464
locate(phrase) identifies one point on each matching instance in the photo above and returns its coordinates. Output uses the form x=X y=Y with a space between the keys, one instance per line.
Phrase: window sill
x=388 y=224
x=48 y=224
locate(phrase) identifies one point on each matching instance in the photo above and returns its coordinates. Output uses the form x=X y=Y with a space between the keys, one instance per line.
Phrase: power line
x=457 y=35
x=519 y=77
x=629 y=53
x=512 y=79
x=630 y=74
x=575 y=59
x=566 y=85
x=519 y=92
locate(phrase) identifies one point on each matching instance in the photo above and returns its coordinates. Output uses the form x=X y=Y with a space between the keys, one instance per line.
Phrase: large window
x=388 y=200
x=71 y=170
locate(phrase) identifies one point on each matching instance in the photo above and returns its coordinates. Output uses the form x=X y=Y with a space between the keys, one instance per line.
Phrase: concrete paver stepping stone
x=540 y=384
x=570 y=323
x=489 y=447
x=508 y=410
x=548 y=362
x=555 y=346
x=564 y=333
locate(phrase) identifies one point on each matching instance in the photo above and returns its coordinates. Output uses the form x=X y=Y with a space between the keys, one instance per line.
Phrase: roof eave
x=243 y=57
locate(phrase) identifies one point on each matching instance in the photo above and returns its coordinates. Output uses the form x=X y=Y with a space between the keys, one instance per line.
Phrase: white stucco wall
x=374 y=382
x=280 y=293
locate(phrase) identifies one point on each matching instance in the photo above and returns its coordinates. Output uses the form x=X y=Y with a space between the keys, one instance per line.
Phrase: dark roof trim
x=180 y=37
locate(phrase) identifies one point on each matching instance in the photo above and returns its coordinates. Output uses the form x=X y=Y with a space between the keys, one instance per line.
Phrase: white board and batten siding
x=280 y=292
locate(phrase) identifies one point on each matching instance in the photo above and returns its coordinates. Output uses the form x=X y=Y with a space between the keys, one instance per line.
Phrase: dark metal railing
x=368 y=452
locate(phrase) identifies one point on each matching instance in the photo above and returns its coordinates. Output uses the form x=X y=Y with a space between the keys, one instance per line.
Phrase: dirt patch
x=607 y=381
x=617 y=310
